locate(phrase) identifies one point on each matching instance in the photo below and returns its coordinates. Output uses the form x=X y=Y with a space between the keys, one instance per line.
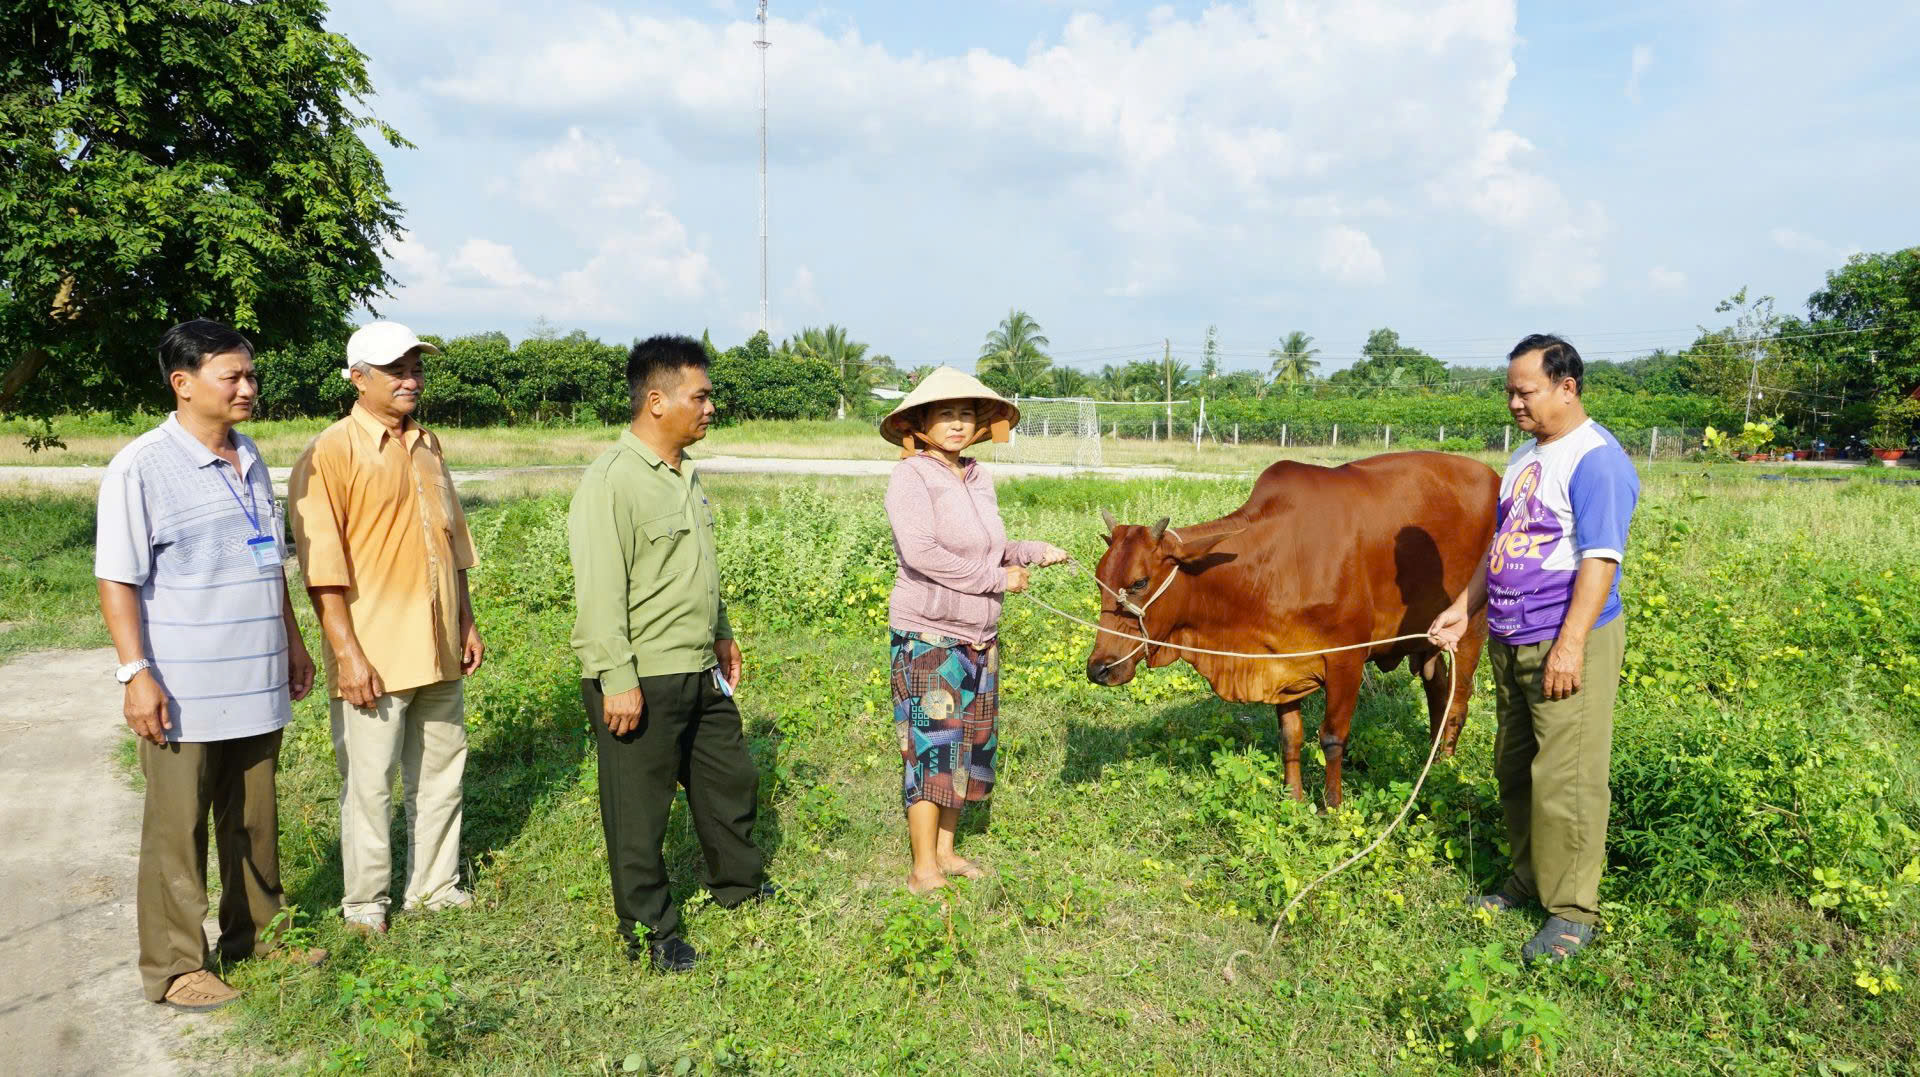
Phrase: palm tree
x=833 y=347
x=1293 y=362
x=1066 y=382
x=1014 y=355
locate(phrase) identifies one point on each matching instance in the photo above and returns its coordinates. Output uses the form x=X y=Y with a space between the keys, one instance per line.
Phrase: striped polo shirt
x=173 y=522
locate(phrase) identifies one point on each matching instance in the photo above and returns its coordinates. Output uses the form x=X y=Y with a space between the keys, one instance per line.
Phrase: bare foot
x=961 y=866
x=920 y=885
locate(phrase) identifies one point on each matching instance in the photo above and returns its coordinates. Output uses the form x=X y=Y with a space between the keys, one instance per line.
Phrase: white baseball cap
x=381 y=343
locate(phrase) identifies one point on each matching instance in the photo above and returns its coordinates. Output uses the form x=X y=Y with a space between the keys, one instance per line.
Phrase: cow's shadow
x=1389 y=736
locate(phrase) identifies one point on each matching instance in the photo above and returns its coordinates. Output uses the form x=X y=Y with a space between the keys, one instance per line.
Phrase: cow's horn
x=1110 y=521
x=1160 y=527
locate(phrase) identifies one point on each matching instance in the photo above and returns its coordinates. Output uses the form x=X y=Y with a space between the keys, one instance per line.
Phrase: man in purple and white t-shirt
x=1551 y=585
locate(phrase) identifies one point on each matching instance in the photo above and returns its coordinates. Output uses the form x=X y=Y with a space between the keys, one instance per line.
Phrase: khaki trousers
x=422 y=734
x=1552 y=759
x=234 y=779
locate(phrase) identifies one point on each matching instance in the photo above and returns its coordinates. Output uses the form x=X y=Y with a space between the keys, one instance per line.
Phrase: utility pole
x=1168 y=341
x=762 y=43
x=1753 y=381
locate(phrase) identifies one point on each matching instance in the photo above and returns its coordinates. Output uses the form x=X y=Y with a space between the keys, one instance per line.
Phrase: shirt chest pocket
x=437 y=500
x=669 y=550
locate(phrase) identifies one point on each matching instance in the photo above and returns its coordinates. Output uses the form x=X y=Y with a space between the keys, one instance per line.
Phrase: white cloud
x=1662 y=279
x=595 y=207
x=488 y=264
x=800 y=294
x=1349 y=256
x=1177 y=137
x=1637 y=66
x=579 y=171
x=1795 y=241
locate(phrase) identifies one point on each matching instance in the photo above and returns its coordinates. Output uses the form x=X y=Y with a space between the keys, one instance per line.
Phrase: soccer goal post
x=1056 y=430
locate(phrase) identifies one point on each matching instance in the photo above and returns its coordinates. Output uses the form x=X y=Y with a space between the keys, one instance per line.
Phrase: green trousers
x=689 y=735
x=1552 y=758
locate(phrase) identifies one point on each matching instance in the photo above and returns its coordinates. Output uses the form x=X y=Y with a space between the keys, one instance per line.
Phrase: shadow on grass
x=1387 y=746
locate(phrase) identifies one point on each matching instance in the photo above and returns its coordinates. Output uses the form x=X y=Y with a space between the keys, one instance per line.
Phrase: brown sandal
x=198 y=991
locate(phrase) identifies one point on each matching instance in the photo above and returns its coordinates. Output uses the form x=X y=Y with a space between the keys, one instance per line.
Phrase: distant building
x=888 y=394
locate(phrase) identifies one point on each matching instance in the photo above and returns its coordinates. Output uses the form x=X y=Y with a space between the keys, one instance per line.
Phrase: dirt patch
x=70 y=999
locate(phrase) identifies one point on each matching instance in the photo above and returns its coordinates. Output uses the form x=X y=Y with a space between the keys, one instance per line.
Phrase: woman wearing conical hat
x=944 y=615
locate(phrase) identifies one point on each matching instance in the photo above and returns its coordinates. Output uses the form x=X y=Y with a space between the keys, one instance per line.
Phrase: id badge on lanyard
x=265 y=551
x=262 y=547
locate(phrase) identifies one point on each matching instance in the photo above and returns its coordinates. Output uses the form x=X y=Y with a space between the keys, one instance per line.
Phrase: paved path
x=710 y=465
x=70 y=999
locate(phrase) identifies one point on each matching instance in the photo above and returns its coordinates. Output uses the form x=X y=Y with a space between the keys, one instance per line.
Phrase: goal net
x=1054 y=431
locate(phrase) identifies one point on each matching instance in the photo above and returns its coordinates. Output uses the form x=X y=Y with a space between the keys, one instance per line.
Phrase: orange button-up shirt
x=376 y=514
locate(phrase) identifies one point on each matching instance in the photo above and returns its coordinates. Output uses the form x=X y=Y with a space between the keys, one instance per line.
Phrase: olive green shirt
x=646 y=578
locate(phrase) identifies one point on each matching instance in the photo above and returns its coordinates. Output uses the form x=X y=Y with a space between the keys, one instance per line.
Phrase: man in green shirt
x=658 y=660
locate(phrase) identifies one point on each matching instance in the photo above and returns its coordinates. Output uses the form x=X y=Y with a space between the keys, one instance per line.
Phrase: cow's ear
x=1195 y=548
x=1108 y=536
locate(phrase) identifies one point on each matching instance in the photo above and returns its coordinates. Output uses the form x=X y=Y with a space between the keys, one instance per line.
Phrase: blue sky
x=1462 y=172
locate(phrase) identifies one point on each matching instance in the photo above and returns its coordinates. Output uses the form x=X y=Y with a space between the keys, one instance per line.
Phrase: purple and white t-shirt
x=1559 y=503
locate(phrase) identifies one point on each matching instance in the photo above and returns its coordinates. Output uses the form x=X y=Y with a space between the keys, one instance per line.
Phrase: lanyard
x=252 y=513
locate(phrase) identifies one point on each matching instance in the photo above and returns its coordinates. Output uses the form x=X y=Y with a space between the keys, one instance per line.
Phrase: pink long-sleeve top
x=953 y=550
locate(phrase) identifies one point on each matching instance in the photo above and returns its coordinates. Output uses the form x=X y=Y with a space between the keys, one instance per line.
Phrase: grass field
x=1760 y=902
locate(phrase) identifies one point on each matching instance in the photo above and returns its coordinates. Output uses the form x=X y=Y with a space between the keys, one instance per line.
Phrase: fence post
x=1653 y=444
x=1506 y=439
x=1386 y=437
x=1443 y=436
x=1116 y=430
x=1046 y=427
x=1336 y=435
x=1153 y=430
x=1283 y=435
x=1236 y=435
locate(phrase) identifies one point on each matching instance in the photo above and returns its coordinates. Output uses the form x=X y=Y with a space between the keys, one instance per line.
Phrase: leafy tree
x=551 y=378
x=1382 y=354
x=304 y=379
x=176 y=159
x=1293 y=359
x=1236 y=383
x=463 y=381
x=1210 y=355
x=1014 y=358
x=1874 y=301
x=747 y=386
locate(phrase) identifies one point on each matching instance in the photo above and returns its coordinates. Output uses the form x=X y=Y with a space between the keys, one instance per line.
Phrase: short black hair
x=188 y=344
x=1558 y=359
x=653 y=359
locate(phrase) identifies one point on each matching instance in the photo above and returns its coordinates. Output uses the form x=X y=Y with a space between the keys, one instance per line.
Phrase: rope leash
x=1140 y=613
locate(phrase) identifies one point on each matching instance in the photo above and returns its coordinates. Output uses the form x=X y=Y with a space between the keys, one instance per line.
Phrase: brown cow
x=1317 y=557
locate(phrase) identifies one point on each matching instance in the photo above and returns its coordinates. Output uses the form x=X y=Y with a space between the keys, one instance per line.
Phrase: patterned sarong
x=946 y=703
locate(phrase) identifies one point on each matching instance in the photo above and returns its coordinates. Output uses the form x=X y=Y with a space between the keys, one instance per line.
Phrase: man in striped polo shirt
x=188 y=555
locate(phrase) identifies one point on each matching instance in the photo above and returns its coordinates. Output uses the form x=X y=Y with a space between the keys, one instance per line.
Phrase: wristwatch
x=131 y=670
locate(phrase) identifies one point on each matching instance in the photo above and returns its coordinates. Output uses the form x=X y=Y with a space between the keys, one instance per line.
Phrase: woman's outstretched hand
x=1053 y=555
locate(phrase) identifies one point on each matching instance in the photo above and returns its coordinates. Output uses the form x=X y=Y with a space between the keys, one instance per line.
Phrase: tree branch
x=19 y=374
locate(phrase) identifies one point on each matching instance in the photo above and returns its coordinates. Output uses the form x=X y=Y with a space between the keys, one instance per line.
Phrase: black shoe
x=674 y=955
x=764 y=892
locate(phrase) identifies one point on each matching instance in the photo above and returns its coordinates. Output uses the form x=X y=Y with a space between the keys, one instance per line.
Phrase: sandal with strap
x=1557 y=940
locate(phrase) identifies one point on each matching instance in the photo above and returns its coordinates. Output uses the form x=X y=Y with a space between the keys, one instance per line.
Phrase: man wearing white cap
x=384 y=547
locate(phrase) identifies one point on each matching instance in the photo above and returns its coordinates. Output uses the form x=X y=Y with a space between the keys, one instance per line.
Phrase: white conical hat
x=997 y=413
